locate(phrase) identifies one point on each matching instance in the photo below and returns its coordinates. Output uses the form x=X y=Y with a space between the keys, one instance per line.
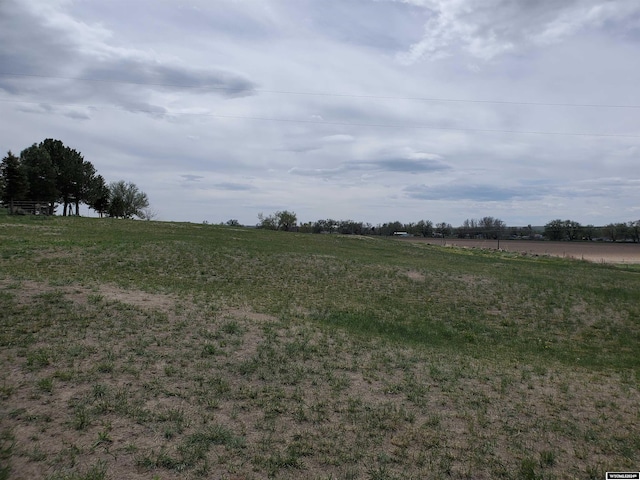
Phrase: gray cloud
x=410 y=165
x=236 y=187
x=480 y=193
x=525 y=190
x=167 y=76
x=142 y=107
x=388 y=165
x=192 y=178
x=81 y=63
x=28 y=46
x=77 y=115
x=33 y=108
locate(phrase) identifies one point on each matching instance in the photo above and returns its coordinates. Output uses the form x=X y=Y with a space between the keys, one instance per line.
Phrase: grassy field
x=166 y=350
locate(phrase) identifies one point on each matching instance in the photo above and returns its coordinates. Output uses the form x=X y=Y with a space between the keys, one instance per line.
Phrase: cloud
x=583 y=16
x=321 y=172
x=45 y=108
x=77 y=115
x=359 y=24
x=485 y=30
x=164 y=75
x=143 y=107
x=410 y=163
x=39 y=108
x=236 y=187
x=83 y=62
x=338 y=139
x=192 y=178
x=406 y=165
x=523 y=190
x=480 y=193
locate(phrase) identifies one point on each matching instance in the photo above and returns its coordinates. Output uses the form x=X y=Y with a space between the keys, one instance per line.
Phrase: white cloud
x=489 y=29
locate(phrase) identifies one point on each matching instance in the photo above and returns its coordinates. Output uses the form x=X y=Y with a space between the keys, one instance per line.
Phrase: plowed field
x=600 y=252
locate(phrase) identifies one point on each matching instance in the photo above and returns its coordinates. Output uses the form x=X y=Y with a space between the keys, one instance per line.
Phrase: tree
x=467 y=229
x=554 y=230
x=616 y=231
x=41 y=174
x=233 y=223
x=83 y=184
x=319 y=226
x=573 y=230
x=325 y=226
x=390 y=228
x=147 y=214
x=286 y=220
x=282 y=220
x=99 y=195
x=13 y=180
x=634 y=230
x=126 y=200
x=443 y=229
x=425 y=228
x=491 y=227
x=268 y=223
x=589 y=231
x=63 y=163
x=350 y=227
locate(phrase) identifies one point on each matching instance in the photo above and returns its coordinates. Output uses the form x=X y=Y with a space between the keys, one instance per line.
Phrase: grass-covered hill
x=166 y=350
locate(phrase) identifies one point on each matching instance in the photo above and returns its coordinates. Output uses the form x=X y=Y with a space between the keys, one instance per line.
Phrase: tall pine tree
x=13 y=180
x=41 y=174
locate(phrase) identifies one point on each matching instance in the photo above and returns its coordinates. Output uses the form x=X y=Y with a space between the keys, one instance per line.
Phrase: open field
x=165 y=350
x=601 y=252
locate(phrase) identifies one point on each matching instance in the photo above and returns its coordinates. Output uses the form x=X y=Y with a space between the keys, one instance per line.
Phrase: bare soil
x=599 y=252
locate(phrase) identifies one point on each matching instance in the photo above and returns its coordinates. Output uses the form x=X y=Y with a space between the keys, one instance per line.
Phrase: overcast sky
x=371 y=110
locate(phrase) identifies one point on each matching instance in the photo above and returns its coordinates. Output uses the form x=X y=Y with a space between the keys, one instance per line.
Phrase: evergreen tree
x=13 y=180
x=99 y=195
x=41 y=174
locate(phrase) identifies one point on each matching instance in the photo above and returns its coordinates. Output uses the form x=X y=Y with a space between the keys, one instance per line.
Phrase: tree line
x=50 y=173
x=482 y=228
x=569 y=230
x=487 y=227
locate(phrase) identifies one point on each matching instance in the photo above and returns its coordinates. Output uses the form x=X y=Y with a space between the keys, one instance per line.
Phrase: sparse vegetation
x=165 y=350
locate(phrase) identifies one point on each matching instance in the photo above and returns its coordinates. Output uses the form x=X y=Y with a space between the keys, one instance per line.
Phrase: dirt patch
x=248 y=314
x=599 y=252
x=138 y=298
x=414 y=275
x=27 y=289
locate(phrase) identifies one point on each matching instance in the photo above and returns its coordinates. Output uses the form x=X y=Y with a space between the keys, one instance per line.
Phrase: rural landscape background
x=326 y=296
x=173 y=350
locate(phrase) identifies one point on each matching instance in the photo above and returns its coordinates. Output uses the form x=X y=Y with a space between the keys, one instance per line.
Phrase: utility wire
x=329 y=94
x=343 y=124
